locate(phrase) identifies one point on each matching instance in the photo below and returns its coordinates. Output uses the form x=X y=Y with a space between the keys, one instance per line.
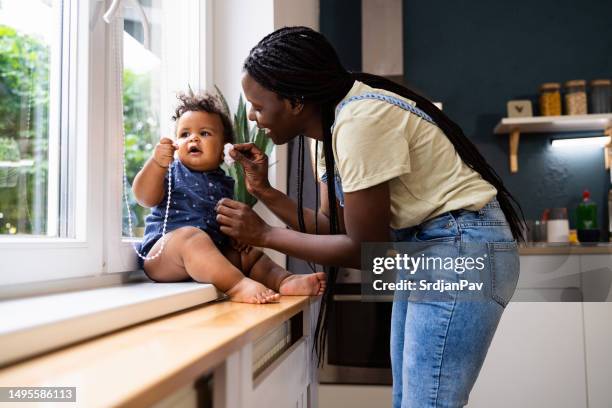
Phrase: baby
x=194 y=247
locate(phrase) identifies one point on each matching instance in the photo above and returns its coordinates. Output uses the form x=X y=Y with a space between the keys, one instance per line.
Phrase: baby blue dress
x=192 y=203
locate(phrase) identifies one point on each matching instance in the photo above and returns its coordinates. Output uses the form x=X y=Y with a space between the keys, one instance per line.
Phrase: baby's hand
x=164 y=152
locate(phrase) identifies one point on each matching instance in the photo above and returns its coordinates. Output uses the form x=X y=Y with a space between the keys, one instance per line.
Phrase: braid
x=300 y=183
x=299 y=64
x=316 y=166
x=334 y=228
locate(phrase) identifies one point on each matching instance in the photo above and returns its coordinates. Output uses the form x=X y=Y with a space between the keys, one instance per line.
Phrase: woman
x=396 y=162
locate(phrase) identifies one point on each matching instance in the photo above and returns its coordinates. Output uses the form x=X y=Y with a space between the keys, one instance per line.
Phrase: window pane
x=28 y=36
x=141 y=97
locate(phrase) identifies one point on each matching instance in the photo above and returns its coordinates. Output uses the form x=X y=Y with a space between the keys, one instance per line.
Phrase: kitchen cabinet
x=536 y=359
x=284 y=384
x=598 y=328
x=289 y=380
x=554 y=352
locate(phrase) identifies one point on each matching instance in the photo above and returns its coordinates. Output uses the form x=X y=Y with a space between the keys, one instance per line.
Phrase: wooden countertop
x=600 y=248
x=144 y=363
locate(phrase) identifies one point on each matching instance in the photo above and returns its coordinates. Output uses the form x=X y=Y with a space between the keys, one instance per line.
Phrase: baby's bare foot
x=311 y=284
x=249 y=291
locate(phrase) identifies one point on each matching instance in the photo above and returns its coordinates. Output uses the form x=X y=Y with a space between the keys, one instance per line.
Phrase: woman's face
x=200 y=138
x=274 y=114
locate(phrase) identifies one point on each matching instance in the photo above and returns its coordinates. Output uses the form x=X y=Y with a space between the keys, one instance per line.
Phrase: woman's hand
x=255 y=165
x=238 y=221
x=240 y=247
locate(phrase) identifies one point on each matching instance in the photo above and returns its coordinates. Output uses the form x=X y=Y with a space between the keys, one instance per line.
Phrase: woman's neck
x=312 y=123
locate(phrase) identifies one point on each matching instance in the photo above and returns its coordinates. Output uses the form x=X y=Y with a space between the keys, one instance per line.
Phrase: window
x=163 y=43
x=29 y=78
x=62 y=110
x=50 y=207
x=159 y=48
x=142 y=57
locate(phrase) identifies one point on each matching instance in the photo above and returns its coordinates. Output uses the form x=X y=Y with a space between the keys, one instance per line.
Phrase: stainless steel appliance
x=358 y=336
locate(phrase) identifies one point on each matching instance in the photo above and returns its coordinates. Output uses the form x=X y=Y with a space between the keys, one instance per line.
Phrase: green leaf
x=226 y=108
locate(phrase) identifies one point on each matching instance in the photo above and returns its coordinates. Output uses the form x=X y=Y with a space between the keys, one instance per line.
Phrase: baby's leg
x=189 y=252
x=261 y=268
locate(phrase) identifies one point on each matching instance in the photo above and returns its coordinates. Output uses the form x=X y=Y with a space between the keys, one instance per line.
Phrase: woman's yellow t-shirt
x=375 y=141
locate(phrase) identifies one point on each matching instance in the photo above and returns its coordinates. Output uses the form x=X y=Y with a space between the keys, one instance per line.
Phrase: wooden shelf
x=553 y=124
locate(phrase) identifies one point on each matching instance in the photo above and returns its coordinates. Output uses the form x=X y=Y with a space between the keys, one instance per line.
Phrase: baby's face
x=200 y=139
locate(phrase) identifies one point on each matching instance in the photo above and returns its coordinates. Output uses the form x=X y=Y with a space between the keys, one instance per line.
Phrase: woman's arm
x=286 y=209
x=255 y=165
x=366 y=214
x=148 y=186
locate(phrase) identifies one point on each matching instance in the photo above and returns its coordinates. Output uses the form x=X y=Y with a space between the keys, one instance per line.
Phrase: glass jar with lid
x=575 y=97
x=550 y=99
x=600 y=96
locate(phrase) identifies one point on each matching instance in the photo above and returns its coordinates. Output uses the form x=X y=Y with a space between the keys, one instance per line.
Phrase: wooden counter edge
x=566 y=250
x=154 y=389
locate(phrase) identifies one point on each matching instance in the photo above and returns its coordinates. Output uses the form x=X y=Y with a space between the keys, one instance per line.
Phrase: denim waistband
x=488 y=224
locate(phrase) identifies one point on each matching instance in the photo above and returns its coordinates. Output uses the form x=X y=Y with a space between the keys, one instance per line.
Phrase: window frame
x=80 y=255
x=194 y=33
x=94 y=129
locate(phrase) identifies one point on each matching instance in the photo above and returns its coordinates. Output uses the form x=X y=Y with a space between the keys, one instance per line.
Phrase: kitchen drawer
x=536 y=359
x=596 y=277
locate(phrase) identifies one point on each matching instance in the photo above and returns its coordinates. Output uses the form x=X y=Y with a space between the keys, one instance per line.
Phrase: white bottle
x=557 y=231
x=557 y=226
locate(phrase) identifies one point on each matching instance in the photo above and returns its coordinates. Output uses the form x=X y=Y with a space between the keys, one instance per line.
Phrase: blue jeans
x=438 y=347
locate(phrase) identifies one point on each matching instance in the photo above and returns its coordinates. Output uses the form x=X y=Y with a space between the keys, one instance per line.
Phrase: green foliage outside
x=24 y=102
x=24 y=134
x=24 y=106
x=9 y=150
x=141 y=126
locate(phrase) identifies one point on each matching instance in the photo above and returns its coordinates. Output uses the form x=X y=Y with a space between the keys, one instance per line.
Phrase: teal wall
x=476 y=55
x=340 y=21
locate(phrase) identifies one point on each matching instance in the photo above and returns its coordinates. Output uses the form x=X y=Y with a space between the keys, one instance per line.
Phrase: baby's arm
x=148 y=186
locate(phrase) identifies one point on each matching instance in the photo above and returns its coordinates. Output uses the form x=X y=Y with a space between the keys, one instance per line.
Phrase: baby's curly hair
x=205 y=102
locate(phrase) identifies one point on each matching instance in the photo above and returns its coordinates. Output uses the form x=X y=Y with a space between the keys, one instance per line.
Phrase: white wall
x=237 y=26
x=296 y=12
x=382 y=34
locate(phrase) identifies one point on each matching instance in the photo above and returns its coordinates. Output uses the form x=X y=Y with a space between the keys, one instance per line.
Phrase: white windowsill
x=38 y=324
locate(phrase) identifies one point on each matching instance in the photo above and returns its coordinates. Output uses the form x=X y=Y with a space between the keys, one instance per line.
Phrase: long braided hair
x=299 y=64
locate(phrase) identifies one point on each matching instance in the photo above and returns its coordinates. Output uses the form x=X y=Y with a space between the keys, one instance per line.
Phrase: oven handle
x=348 y=298
x=361 y=298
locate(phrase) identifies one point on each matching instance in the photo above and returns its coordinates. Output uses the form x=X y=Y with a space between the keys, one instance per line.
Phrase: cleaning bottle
x=586 y=219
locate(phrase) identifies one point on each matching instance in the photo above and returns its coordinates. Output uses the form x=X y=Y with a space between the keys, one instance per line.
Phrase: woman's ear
x=296 y=106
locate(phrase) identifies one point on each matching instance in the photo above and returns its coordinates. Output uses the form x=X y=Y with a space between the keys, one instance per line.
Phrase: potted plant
x=9 y=162
x=244 y=134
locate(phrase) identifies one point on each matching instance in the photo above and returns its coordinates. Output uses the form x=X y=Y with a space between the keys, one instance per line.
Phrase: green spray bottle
x=586 y=213
x=586 y=219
